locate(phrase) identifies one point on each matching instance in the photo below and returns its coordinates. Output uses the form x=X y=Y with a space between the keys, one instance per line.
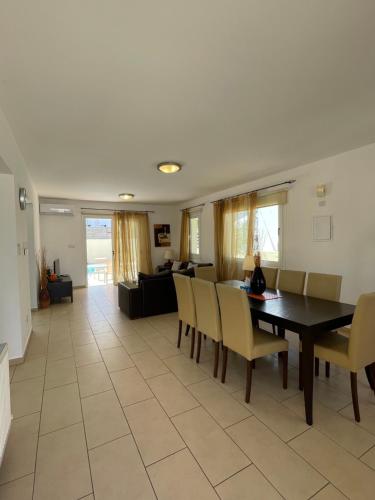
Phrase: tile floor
x=107 y=408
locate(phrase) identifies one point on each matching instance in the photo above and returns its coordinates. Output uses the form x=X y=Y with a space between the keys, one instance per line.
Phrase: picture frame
x=162 y=235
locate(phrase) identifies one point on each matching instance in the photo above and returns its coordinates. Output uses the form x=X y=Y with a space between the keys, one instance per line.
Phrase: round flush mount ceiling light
x=126 y=196
x=169 y=167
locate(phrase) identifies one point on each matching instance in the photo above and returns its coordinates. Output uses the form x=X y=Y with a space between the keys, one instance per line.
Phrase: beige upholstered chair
x=240 y=336
x=356 y=351
x=206 y=273
x=270 y=275
x=208 y=315
x=292 y=281
x=186 y=307
x=327 y=287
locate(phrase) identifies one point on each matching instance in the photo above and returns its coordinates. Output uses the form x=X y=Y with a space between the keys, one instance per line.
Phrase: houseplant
x=44 y=298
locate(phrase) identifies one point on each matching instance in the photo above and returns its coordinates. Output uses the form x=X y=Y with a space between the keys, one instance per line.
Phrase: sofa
x=153 y=294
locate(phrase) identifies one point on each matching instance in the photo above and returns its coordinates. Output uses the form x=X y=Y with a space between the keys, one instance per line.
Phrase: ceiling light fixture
x=126 y=196
x=169 y=167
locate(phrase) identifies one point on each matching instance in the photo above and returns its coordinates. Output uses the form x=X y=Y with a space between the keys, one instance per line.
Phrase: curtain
x=234 y=234
x=184 y=236
x=132 y=247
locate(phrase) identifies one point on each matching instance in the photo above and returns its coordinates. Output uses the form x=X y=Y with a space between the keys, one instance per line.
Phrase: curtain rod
x=190 y=208
x=256 y=190
x=114 y=210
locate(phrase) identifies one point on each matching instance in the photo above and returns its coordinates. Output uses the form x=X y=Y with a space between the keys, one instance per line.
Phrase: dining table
x=308 y=317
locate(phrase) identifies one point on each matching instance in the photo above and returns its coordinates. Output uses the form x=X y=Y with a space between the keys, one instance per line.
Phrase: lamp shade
x=248 y=263
x=168 y=255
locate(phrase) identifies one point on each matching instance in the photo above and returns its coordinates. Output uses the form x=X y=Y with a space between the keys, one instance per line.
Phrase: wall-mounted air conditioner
x=55 y=209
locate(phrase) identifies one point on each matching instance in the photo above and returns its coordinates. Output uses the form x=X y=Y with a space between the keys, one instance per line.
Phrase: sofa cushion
x=162 y=274
x=176 y=265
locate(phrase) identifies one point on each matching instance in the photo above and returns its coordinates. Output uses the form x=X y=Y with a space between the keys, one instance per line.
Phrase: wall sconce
x=321 y=190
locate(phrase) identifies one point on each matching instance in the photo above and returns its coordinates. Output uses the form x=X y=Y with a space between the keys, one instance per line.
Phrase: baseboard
x=79 y=286
x=18 y=361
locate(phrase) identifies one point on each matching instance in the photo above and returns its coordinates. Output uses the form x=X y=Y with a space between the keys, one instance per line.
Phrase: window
x=266 y=233
x=194 y=235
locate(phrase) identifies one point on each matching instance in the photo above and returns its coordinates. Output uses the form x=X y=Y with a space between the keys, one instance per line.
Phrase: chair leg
x=285 y=369
x=187 y=330
x=205 y=337
x=300 y=375
x=253 y=364
x=199 y=346
x=328 y=369
x=316 y=367
x=370 y=373
x=274 y=329
x=179 y=333
x=249 y=370
x=353 y=383
x=224 y=368
x=192 y=343
x=217 y=353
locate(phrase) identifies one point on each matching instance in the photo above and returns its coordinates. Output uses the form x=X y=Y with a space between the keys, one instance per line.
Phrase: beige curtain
x=234 y=234
x=132 y=247
x=184 y=236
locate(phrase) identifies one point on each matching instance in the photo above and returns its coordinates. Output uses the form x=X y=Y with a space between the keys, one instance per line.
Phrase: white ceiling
x=97 y=92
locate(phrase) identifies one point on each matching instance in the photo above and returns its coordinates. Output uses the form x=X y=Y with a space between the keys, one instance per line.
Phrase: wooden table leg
x=281 y=334
x=308 y=378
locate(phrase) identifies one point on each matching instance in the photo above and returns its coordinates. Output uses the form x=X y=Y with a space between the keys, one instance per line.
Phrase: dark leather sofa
x=154 y=294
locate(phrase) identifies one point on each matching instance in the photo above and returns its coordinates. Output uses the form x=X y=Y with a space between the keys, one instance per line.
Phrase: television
x=56 y=267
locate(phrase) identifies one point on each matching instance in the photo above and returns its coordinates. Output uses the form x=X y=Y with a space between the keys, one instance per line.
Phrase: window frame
x=272 y=263
x=195 y=214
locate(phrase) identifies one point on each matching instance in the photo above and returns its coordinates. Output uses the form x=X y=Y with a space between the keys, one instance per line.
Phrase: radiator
x=5 y=416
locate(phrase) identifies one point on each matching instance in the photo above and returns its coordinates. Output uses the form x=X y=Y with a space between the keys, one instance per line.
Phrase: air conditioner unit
x=55 y=209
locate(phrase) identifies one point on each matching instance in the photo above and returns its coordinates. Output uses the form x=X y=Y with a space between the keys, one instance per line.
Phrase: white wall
x=64 y=236
x=350 y=178
x=15 y=219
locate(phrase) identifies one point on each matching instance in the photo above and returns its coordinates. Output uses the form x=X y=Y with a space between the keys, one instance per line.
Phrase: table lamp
x=248 y=265
x=168 y=255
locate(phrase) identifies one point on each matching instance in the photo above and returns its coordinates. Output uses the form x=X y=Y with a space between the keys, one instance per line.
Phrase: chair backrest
x=270 y=275
x=362 y=334
x=324 y=286
x=236 y=325
x=185 y=299
x=292 y=281
x=207 y=308
x=206 y=273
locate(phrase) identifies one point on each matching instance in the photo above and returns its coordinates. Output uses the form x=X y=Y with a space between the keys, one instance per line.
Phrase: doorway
x=99 y=252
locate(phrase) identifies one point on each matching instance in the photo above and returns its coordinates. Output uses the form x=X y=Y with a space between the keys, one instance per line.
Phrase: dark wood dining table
x=306 y=316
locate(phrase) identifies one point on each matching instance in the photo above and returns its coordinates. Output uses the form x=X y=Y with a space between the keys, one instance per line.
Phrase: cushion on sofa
x=162 y=274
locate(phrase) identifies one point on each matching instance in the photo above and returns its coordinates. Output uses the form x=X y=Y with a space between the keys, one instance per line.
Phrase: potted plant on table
x=44 y=298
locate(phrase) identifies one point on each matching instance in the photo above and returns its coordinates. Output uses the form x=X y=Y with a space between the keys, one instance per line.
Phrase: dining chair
x=186 y=307
x=356 y=351
x=206 y=273
x=208 y=316
x=291 y=281
x=241 y=337
x=270 y=275
x=327 y=287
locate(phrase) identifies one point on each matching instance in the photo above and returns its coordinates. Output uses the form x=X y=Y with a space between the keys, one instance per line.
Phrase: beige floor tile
x=221 y=405
x=344 y=432
x=369 y=458
x=26 y=396
x=60 y=350
x=278 y=418
x=130 y=386
x=107 y=340
x=38 y=345
x=30 y=369
x=99 y=327
x=329 y=492
x=134 y=344
x=162 y=347
x=345 y=472
x=87 y=355
x=93 y=379
x=171 y=394
x=248 y=484
x=179 y=477
x=116 y=359
x=185 y=369
x=215 y=452
x=83 y=338
x=153 y=431
x=367 y=415
x=61 y=407
x=104 y=419
x=285 y=470
x=118 y=472
x=20 y=489
x=20 y=452
x=149 y=364
x=62 y=469
x=60 y=372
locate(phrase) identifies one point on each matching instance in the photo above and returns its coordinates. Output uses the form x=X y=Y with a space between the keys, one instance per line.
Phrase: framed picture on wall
x=162 y=235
